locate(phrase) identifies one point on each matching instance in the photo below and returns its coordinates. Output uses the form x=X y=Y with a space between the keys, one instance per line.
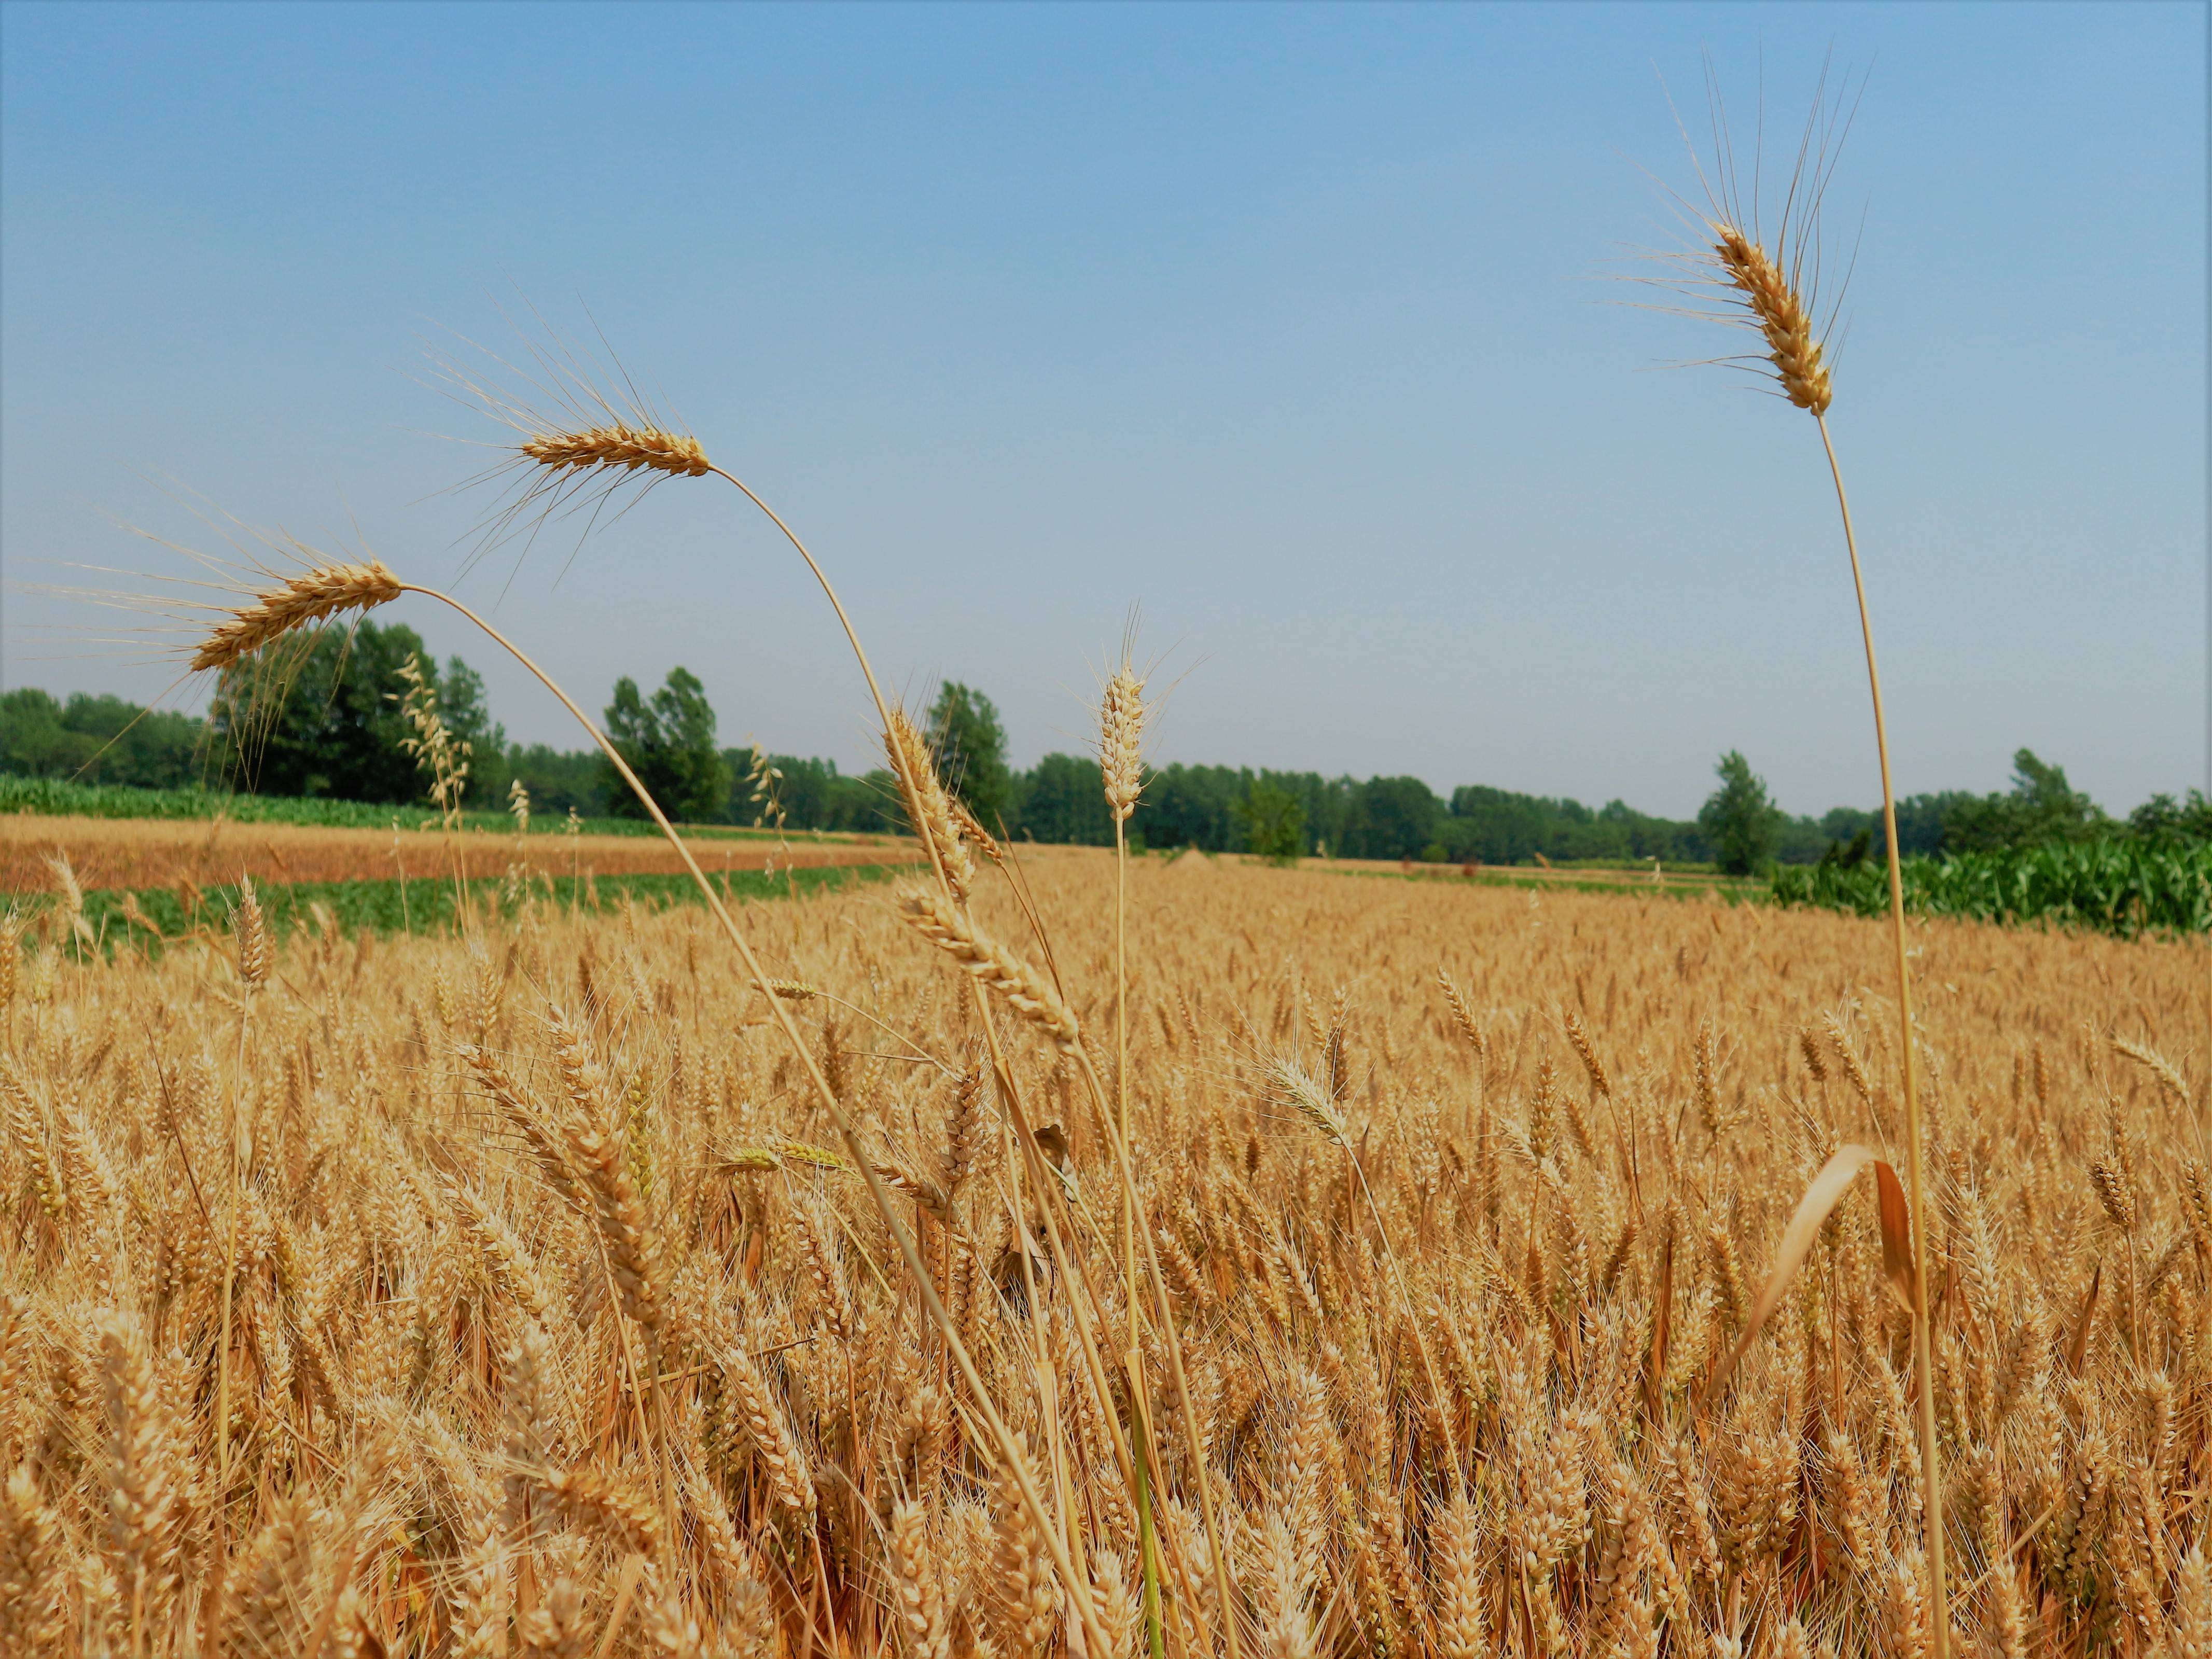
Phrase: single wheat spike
x=931 y=808
x=1461 y=1631
x=1119 y=1607
x=2162 y=1070
x=1462 y=1016
x=255 y=955
x=921 y=1605
x=1121 y=735
x=790 y=1483
x=1780 y=313
x=33 y=1608
x=1023 y=1605
x=1027 y=991
x=146 y=1493
x=619 y=446
x=1586 y=1051
x=505 y=1255
x=310 y=597
x=611 y=1502
x=1290 y=1085
x=11 y=957
x=545 y=1146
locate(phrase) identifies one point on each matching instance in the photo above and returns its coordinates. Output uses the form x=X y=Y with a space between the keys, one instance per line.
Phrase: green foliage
x=669 y=741
x=1739 y=818
x=1273 y=820
x=970 y=746
x=329 y=720
x=1391 y=818
x=560 y=779
x=2042 y=807
x=815 y=795
x=59 y=797
x=432 y=906
x=2162 y=821
x=97 y=739
x=468 y=716
x=1063 y=799
x=2121 y=884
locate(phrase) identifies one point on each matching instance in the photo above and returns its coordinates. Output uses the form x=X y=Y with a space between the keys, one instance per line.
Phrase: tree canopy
x=1739 y=818
x=668 y=740
x=971 y=747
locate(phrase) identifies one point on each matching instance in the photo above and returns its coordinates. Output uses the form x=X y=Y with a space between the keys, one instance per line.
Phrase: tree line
x=328 y=722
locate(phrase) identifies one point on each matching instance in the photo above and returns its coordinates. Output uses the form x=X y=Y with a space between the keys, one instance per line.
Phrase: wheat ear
x=313 y=596
x=618 y=447
x=935 y=808
x=1780 y=313
x=948 y=926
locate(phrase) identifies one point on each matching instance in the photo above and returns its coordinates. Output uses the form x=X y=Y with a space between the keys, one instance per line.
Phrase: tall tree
x=1274 y=822
x=1740 y=818
x=322 y=720
x=1392 y=818
x=970 y=746
x=467 y=716
x=2041 y=808
x=668 y=739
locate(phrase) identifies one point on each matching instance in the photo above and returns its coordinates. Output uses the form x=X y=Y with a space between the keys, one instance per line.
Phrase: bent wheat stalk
x=1772 y=300
x=573 y=452
x=258 y=620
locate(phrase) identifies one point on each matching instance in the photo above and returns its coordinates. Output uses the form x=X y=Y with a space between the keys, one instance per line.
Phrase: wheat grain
x=313 y=596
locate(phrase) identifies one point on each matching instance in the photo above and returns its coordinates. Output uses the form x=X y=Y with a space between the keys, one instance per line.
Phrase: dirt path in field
x=160 y=853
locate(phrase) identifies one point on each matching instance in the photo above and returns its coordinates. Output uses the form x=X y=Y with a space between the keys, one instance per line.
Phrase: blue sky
x=1288 y=324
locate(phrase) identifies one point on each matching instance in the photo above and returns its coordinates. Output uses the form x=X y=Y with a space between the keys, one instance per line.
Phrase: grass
x=62 y=797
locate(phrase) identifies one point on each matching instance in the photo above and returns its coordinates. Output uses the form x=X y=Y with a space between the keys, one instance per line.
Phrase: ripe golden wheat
x=545 y=1338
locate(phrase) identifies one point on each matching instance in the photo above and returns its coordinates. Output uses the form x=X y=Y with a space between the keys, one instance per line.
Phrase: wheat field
x=506 y=1293
x=143 y=853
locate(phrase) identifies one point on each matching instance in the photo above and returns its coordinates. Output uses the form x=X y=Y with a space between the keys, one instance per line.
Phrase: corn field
x=2117 y=885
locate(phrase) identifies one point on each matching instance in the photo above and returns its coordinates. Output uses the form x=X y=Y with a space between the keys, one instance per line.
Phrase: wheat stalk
x=1772 y=293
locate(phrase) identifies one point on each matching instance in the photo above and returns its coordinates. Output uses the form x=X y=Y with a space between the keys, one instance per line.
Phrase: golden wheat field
x=510 y=1293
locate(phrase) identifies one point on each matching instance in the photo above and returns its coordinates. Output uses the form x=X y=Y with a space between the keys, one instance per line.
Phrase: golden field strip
x=507 y=1294
x=143 y=853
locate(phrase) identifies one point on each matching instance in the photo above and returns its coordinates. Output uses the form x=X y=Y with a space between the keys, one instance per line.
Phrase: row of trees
x=327 y=721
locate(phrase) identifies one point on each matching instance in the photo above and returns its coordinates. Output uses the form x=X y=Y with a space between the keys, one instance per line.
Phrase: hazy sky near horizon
x=1288 y=324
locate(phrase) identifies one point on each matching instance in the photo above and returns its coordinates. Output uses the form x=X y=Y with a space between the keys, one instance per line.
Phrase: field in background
x=61 y=798
x=156 y=853
x=433 y=1350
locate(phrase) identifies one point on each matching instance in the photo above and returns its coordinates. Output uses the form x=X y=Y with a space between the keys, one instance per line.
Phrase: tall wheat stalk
x=1773 y=295
x=558 y=462
x=272 y=614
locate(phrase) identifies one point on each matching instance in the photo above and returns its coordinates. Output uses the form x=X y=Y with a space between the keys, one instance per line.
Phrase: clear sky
x=1288 y=324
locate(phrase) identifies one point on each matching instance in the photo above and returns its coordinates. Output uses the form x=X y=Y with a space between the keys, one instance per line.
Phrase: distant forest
x=338 y=731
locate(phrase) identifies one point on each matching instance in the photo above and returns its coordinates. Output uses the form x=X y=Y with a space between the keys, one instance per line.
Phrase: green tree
x=468 y=717
x=2042 y=807
x=1392 y=818
x=323 y=720
x=1063 y=799
x=971 y=747
x=1739 y=818
x=1274 y=822
x=668 y=739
